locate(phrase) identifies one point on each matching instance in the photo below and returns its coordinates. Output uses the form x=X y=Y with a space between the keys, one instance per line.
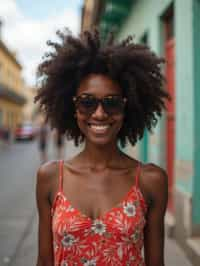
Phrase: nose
x=99 y=112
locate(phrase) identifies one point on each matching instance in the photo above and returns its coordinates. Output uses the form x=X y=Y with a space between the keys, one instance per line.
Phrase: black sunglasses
x=87 y=104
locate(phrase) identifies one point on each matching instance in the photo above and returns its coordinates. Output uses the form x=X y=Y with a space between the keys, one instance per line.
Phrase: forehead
x=99 y=85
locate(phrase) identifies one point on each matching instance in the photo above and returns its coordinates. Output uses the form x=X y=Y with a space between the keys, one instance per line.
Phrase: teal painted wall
x=196 y=56
x=143 y=148
x=184 y=95
x=145 y=16
x=184 y=80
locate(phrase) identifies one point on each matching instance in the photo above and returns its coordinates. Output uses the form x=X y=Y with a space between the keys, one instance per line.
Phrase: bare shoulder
x=154 y=180
x=154 y=174
x=46 y=173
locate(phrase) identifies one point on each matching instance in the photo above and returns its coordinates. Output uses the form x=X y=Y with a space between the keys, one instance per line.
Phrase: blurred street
x=18 y=216
x=18 y=163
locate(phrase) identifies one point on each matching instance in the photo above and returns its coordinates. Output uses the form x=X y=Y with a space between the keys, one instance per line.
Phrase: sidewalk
x=174 y=255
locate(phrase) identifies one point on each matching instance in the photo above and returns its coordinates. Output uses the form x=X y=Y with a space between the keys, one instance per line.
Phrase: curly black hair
x=136 y=69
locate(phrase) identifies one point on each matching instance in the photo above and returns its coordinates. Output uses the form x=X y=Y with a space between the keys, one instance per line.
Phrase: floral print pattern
x=129 y=209
x=98 y=227
x=68 y=240
x=115 y=239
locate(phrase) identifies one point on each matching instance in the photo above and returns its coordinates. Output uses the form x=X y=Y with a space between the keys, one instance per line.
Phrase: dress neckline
x=103 y=215
x=117 y=205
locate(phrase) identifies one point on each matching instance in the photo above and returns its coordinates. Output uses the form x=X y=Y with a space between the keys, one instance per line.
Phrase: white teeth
x=99 y=127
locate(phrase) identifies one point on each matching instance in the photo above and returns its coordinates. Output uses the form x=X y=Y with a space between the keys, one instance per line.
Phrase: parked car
x=25 y=131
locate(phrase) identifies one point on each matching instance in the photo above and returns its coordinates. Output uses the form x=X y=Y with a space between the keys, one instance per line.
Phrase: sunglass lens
x=86 y=105
x=113 y=105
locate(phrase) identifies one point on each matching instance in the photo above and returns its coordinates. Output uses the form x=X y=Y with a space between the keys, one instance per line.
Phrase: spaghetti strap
x=138 y=171
x=61 y=163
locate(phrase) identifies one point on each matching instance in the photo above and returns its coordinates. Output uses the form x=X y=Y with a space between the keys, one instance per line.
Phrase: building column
x=196 y=71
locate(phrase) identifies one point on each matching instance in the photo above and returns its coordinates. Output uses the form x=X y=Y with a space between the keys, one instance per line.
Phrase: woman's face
x=99 y=127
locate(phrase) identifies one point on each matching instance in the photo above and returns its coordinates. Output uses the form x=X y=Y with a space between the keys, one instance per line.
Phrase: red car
x=25 y=132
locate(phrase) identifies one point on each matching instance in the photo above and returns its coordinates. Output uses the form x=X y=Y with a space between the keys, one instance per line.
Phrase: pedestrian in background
x=59 y=144
x=102 y=206
x=43 y=141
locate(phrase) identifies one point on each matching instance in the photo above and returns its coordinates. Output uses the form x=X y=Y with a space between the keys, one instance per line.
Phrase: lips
x=99 y=128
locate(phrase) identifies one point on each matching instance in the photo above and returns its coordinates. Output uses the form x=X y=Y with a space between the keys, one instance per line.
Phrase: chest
x=95 y=194
x=124 y=220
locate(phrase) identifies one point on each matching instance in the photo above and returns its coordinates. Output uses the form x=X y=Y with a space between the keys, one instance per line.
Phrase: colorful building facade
x=171 y=29
x=12 y=98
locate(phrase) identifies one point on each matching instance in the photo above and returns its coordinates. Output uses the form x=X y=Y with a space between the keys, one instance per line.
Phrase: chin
x=98 y=141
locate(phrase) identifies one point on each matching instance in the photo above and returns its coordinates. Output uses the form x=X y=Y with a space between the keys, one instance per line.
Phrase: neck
x=100 y=157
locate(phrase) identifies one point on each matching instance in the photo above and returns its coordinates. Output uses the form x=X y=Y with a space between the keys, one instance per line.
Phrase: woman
x=101 y=207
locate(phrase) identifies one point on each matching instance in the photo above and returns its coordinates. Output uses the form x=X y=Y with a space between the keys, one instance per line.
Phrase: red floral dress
x=114 y=239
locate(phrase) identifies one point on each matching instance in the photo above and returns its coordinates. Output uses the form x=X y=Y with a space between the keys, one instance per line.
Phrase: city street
x=18 y=216
x=18 y=163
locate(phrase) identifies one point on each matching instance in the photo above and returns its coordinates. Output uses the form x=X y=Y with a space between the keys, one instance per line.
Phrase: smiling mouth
x=99 y=128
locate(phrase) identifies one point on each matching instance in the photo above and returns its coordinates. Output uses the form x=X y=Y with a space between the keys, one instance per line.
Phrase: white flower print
x=68 y=240
x=129 y=209
x=98 y=227
x=64 y=263
x=91 y=262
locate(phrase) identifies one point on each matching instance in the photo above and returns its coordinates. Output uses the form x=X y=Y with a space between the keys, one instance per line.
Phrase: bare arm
x=154 y=229
x=45 y=247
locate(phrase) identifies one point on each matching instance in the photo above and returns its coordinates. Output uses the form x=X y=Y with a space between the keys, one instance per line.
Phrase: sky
x=28 y=24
